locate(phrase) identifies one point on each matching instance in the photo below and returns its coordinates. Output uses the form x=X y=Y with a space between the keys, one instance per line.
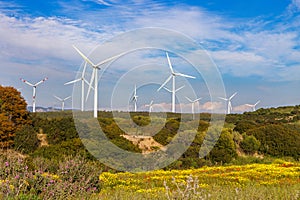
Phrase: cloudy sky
x=254 y=44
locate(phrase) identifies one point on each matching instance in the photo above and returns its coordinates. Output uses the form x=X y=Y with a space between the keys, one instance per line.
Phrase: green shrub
x=278 y=140
x=26 y=140
x=224 y=150
x=250 y=144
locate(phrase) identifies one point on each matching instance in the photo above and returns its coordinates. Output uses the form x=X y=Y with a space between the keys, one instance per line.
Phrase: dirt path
x=146 y=143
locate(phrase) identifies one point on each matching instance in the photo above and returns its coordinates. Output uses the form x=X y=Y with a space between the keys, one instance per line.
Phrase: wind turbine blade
x=223 y=98
x=90 y=83
x=42 y=81
x=189 y=99
x=256 y=103
x=23 y=80
x=151 y=103
x=109 y=59
x=67 y=98
x=169 y=62
x=167 y=89
x=134 y=90
x=197 y=99
x=232 y=96
x=168 y=79
x=58 y=98
x=249 y=105
x=180 y=88
x=83 y=71
x=184 y=75
x=83 y=56
x=74 y=81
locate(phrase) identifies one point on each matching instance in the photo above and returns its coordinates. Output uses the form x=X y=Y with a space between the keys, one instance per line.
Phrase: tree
x=13 y=115
x=278 y=140
x=224 y=150
x=250 y=144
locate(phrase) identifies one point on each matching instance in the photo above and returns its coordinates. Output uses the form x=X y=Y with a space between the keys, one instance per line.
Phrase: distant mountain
x=42 y=109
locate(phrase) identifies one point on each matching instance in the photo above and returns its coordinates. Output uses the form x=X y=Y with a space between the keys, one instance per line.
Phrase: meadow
x=78 y=178
x=253 y=181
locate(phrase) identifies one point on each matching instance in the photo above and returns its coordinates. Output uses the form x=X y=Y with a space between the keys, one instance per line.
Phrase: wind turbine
x=229 y=106
x=150 y=105
x=83 y=80
x=193 y=105
x=95 y=77
x=134 y=99
x=62 y=101
x=34 y=90
x=172 y=76
x=253 y=105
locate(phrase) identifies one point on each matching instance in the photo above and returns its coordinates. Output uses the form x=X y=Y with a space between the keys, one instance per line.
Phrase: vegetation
x=254 y=181
x=13 y=115
x=250 y=155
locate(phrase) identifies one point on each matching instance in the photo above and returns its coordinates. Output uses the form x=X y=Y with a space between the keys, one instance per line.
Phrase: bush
x=244 y=125
x=75 y=178
x=250 y=144
x=278 y=140
x=224 y=150
x=26 y=140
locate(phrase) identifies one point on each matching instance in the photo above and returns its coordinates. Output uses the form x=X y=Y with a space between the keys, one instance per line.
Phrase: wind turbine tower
x=134 y=99
x=94 y=76
x=173 y=76
x=228 y=100
x=83 y=80
x=150 y=105
x=253 y=106
x=34 y=90
x=62 y=101
x=193 y=104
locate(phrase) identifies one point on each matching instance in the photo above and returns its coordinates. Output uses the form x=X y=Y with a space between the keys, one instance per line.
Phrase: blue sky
x=255 y=44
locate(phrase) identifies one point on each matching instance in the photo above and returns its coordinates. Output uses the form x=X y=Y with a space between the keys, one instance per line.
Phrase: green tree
x=250 y=144
x=13 y=115
x=224 y=150
x=278 y=140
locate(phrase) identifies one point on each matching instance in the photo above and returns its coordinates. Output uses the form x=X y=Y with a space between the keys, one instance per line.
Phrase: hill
x=266 y=133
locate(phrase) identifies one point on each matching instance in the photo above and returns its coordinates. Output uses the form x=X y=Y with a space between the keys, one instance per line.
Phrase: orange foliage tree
x=13 y=115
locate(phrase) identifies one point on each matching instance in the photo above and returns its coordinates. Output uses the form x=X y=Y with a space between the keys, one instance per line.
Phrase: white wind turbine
x=83 y=80
x=150 y=105
x=62 y=101
x=95 y=77
x=34 y=90
x=173 y=75
x=134 y=99
x=253 y=105
x=229 y=106
x=193 y=104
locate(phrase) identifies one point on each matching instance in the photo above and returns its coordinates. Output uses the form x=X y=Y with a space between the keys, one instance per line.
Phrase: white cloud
x=294 y=6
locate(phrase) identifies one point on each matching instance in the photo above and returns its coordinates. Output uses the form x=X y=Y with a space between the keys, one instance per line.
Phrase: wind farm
x=93 y=85
x=150 y=99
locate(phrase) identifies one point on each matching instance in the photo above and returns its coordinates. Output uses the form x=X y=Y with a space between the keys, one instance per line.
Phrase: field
x=78 y=178
x=253 y=181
